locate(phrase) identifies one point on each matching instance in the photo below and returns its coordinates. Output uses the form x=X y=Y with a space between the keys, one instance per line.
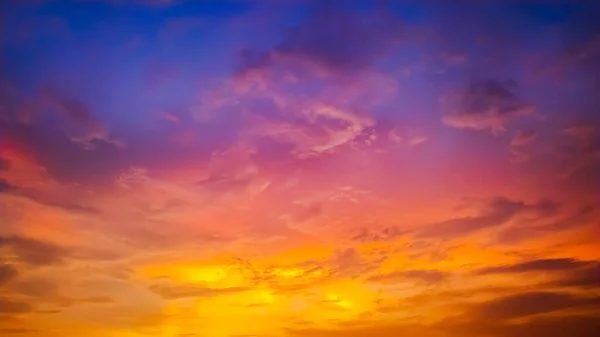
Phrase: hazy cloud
x=537 y=265
x=586 y=277
x=177 y=291
x=426 y=276
x=497 y=212
x=8 y=306
x=7 y=273
x=531 y=303
x=487 y=105
x=336 y=39
x=34 y=252
x=523 y=137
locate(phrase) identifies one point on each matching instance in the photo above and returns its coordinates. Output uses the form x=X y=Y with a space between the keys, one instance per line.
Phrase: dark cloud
x=7 y=273
x=36 y=288
x=8 y=306
x=4 y=164
x=536 y=265
x=177 y=291
x=364 y=331
x=550 y=326
x=34 y=252
x=487 y=105
x=497 y=212
x=50 y=292
x=62 y=158
x=579 y=153
x=65 y=205
x=587 y=277
x=531 y=303
x=426 y=276
x=339 y=38
x=580 y=326
x=583 y=216
x=78 y=121
x=17 y=331
x=5 y=186
x=335 y=38
x=82 y=124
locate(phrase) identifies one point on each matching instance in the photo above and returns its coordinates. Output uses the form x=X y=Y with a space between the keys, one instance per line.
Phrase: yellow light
x=337 y=300
x=267 y=296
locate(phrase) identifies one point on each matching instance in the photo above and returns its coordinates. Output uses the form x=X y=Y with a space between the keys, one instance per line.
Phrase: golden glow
x=331 y=171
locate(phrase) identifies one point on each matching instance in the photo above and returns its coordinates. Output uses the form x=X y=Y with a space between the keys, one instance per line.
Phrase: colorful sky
x=299 y=168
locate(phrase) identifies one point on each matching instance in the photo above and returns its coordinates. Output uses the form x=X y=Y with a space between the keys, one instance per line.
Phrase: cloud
x=523 y=137
x=497 y=211
x=349 y=263
x=38 y=288
x=97 y=300
x=426 y=276
x=178 y=291
x=17 y=331
x=487 y=105
x=45 y=198
x=350 y=86
x=5 y=186
x=335 y=39
x=46 y=201
x=530 y=303
x=158 y=74
x=529 y=229
x=7 y=273
x=564 y=264
x=34 y=252
x=580 y=152
x=8 y=306
x=384 y=234
x=387 y=330
x=581 y=326
x=312 y=128
x=42 y=154
x=548 y=326
x=520 y=140
x=326 y=106
x=4 y=164
x=586 y=277
x=82 y=125
x=583 y=133
x=51 y=292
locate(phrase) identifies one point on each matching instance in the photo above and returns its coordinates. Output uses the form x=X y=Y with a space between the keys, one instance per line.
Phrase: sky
x=299 y=168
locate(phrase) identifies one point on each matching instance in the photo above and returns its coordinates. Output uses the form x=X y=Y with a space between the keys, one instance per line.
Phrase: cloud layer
x=304 y=168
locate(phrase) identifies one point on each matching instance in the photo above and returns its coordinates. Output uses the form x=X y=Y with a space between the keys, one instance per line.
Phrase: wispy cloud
x=340 y=168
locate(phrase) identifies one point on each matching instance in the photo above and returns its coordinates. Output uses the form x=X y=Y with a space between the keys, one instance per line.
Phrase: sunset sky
x=299 y=168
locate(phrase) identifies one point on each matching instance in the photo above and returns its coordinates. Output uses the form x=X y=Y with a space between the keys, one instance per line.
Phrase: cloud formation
x=488 y=105
x=33 y=252
x=309 y=168
x=531 y=303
